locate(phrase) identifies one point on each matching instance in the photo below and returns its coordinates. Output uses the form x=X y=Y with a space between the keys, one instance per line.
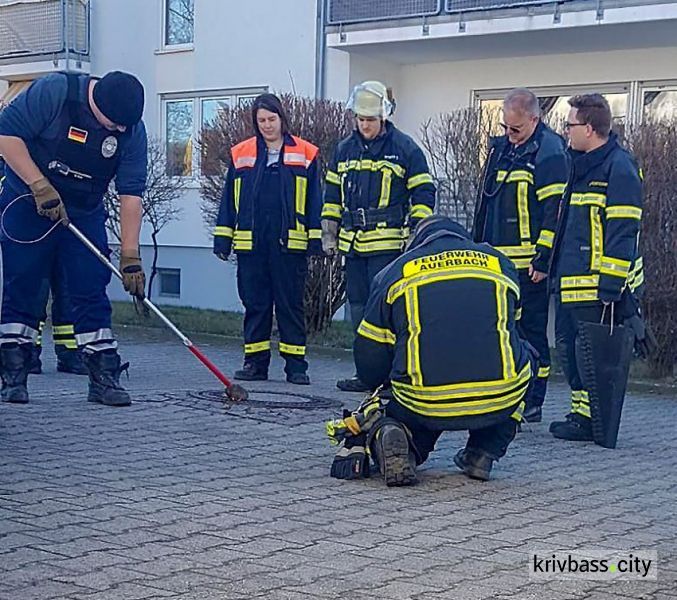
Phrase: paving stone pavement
x=181 y=496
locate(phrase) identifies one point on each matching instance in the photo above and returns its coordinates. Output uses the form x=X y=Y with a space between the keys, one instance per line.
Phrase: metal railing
x=456 y=6
x=344 y=12
x=361 y=11
x=34 y=28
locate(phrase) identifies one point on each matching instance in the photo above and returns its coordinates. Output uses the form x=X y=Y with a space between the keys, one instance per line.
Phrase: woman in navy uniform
x=270 y=217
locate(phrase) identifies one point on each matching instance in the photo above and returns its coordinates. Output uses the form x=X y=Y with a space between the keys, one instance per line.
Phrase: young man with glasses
x=524 y=178
x=595 y=259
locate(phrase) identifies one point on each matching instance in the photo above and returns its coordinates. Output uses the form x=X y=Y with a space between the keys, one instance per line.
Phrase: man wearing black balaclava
x=64 y=140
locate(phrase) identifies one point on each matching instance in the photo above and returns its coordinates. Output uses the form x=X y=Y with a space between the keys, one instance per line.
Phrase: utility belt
x=366 y=219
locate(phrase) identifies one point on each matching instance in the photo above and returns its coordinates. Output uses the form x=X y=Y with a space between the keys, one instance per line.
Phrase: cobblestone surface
x=182 y=496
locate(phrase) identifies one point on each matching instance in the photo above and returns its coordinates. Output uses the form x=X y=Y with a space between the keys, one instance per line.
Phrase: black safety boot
x=395 y=460
x=15 y=360
x=533 y=414
x=105 y=369
x=576 y=428
x=354 y=384
x=475 y=463
x=298 y=378
x=251 y=372
x=71 y=361
x=35 y=365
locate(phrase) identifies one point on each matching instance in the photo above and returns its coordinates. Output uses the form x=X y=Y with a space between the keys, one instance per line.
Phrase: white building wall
x=264 y=44
x=424 y=90
x=209 y=283
x=428 y=89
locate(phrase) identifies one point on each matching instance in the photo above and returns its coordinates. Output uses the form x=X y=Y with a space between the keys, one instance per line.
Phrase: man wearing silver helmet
x=378 y=186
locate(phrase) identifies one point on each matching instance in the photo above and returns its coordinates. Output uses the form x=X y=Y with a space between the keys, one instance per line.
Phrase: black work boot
x=575 y=428
x=533 y=414
x=354 y=384
x=104 y=378
x=35 y=365
x=298 y=378
x=296 y=369
x=475 y=463
x=395 y=460
x=251 y=372
x=70 y=361
x=15 y=361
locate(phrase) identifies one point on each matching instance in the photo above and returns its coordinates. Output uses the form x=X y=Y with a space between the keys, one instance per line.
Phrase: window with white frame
x=170 y=282
x=659 y=100
x=179 y=19
x=185 y=117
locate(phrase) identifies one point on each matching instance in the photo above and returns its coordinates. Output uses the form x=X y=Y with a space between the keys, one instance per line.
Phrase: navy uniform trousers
x=494 y=438
x=271 y=279
x=360 y=272
x=533 y=327
x=63 y=325
x=568 y=317
x=26 y=266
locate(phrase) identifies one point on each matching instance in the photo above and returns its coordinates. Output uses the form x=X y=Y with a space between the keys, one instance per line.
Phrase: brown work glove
x=133 y=277
x=48 y=201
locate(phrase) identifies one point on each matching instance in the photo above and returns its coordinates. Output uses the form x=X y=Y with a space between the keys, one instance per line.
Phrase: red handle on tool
x=210 y=365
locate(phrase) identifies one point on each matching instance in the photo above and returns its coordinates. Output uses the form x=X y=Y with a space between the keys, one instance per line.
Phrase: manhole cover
x=271 y=399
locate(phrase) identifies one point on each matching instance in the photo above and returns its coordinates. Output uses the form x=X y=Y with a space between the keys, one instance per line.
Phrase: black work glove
x=352 y=460
x=222 y=246
x=645 y=342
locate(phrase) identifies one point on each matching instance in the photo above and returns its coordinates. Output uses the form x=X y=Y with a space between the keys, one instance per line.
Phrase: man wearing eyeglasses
x=595 y=259
x=524 y=177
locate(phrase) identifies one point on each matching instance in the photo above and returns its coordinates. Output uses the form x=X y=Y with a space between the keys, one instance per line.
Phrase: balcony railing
x=343 y=12
x=456 y=6
x=43 y=29
x=361 y=11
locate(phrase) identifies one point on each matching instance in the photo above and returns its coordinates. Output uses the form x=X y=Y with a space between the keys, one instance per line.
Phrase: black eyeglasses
x=568 y=125
x=511 y=128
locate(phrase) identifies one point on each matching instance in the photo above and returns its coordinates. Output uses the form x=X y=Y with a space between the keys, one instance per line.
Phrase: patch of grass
x=218 y=322
x=339 y=335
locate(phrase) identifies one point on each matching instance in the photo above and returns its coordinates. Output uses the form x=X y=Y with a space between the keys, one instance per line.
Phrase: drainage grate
x=262 y=398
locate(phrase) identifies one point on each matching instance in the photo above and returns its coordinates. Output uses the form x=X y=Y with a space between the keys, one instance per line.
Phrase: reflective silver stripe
x=296 y=158
x=348 y=452
x=244 y=161
x=18 y=332
x=100 y=347
x=100 y=335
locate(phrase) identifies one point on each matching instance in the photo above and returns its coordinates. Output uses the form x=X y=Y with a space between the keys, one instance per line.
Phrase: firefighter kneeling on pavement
x=440 y=325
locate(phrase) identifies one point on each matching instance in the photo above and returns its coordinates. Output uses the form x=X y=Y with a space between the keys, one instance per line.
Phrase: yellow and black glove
x=356 y=422
x=48 y=201
x=133 y=277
